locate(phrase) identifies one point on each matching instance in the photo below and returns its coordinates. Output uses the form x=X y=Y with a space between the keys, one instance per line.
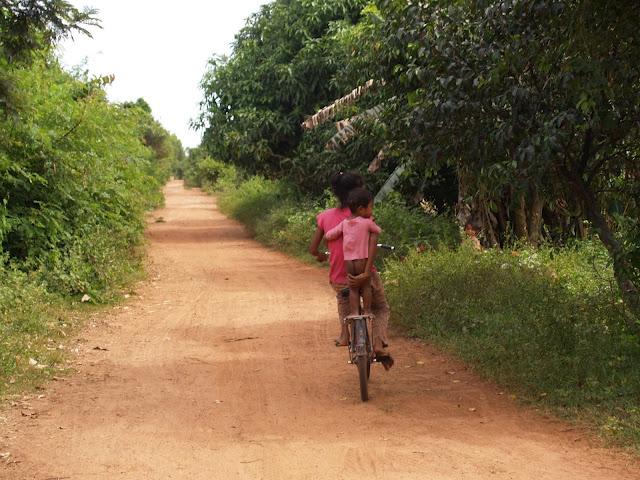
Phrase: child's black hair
x=342 y=183
x=359 y=197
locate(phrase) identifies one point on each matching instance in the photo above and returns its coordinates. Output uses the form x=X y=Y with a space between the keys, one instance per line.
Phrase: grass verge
x=36 y=324
x=544 y=323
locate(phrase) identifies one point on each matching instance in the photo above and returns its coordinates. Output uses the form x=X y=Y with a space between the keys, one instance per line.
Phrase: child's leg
x=343 y=311
x=367 y=295
x=354 y=293
x=380 y=308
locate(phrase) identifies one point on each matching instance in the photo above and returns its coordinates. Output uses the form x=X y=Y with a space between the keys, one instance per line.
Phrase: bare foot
x=379 y=348
x=343 y=339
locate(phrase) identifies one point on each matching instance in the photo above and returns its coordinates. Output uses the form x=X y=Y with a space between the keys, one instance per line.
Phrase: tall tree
x=280 y=71
x=534 y=102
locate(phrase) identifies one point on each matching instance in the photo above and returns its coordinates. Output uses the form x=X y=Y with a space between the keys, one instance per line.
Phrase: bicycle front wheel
x=363 y=372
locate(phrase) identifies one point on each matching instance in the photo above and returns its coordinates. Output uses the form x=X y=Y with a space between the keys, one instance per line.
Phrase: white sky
x=159 y=50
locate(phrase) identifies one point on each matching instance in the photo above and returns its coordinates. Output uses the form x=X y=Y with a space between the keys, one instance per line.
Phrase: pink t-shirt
x=355 y=236
x=326 y=221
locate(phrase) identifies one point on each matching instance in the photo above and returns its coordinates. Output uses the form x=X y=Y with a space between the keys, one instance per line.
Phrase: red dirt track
x=222 y=367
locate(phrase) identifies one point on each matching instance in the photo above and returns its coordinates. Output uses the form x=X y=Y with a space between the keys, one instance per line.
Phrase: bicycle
x=361 y=352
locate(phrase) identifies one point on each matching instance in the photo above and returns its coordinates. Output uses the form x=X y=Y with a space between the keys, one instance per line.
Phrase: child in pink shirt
x=342 y=184
x=356 y=232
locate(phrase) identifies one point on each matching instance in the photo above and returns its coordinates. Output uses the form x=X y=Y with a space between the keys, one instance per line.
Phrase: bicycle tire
x=369 y=354
x=363 y=367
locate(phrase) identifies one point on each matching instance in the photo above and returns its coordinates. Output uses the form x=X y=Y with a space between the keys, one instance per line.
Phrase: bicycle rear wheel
x=369 y=355
x=363 y=372
x=361 y=354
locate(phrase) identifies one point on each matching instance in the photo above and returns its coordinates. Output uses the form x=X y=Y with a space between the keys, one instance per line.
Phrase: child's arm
x=357 y=281
x=315 y=243
x=374 y=232
x=373 y=248
x=334 y=233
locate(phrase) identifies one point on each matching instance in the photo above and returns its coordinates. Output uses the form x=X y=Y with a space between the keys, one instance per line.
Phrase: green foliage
x=409 y=229
x=537 y=115
x=76 y=177
x=30 y=26
x=281 y=70
x=547 y=323
x=166 y=147
x=98 y=263
x=206 y=172
x=253 y=199
x=287 y=227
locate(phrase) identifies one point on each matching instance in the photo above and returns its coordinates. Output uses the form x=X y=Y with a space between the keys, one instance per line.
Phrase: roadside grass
x=546 y=323
x=33 y=322
x=36 y=325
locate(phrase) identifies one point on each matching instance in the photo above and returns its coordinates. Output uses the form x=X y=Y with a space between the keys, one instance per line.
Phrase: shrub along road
x=222 y=366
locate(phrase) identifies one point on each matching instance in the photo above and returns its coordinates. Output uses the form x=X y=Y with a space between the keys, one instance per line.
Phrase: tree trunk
x=621 y=264
x=535 y=217
x=463 y=209
x=490 y=224
x=520 y=218
x=581 y=231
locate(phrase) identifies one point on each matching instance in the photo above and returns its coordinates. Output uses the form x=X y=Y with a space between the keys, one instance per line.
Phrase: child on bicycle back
x=356 y=232
x=342 y=184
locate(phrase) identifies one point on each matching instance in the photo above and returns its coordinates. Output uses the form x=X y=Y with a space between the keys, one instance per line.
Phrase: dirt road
x=222 y=367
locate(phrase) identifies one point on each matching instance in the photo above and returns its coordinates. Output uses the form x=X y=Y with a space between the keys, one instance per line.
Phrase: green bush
x=546 y=323
x=98 y=263
x=253 y=199
x=288 y=228
x=409 y=229
x=207 y=172
x=77 y=174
